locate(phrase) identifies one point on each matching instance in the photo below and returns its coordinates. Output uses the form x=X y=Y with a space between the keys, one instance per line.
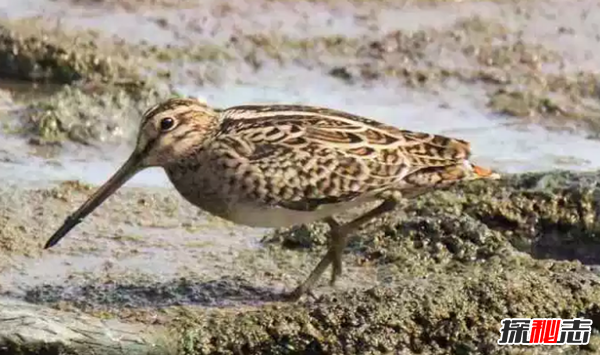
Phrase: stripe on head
x=175 y=107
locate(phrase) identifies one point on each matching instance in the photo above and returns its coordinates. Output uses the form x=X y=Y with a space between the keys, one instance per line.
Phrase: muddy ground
x=438 y=276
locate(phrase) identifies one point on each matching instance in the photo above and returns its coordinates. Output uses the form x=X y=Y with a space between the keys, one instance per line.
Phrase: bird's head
x=172 y=129
x=168 y=132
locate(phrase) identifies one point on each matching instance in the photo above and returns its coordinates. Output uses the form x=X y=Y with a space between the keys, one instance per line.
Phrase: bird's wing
x=303 y=157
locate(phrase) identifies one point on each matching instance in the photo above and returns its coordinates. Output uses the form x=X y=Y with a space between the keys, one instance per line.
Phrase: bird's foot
x=297 y=294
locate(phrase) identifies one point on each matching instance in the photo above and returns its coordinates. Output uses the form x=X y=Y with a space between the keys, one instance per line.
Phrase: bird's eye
x=167 y=123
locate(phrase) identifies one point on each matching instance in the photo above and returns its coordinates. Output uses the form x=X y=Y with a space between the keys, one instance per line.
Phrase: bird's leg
x=338 y=235
x=314 y=276
x=337 y=242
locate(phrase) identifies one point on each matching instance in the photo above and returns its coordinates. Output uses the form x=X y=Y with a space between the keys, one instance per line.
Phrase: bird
x=280 y=165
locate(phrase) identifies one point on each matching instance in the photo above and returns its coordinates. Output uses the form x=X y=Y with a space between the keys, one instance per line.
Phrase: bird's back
x=295 y=153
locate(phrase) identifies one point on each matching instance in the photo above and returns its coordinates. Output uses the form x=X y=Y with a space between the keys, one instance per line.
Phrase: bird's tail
x=441 y=176
x=478 y=172
x=465 y=172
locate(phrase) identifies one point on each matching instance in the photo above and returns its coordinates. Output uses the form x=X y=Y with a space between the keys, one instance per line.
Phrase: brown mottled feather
x=326 y=156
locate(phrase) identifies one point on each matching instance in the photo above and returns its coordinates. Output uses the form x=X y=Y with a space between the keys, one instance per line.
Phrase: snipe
x=281 y=165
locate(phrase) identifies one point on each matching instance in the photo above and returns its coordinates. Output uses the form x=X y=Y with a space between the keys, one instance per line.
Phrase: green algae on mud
x=106 y=84
x=458 y=270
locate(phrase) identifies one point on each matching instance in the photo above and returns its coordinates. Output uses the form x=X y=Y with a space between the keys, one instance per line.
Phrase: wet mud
x=438 y=276
x=516 y=78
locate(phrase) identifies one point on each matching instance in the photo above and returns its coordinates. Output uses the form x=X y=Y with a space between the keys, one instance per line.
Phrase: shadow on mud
x=222 y=292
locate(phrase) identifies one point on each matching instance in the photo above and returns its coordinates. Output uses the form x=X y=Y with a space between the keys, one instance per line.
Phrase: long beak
x=130 y=168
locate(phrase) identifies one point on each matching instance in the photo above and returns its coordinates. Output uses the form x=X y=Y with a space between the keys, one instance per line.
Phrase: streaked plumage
x=281 y=165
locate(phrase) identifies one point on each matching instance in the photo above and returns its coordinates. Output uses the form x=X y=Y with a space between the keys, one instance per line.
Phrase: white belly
x=276 y=217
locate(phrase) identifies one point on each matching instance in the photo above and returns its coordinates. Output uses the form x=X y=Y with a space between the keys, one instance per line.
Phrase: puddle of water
x=96 y=173
x=566 y=26
x=213 y=20
x=27 y=8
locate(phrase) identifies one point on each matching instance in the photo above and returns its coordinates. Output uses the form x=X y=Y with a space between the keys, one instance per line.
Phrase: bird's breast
x=219 y=192
x=210 y=196
x=240 y=209
x=200 y=188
